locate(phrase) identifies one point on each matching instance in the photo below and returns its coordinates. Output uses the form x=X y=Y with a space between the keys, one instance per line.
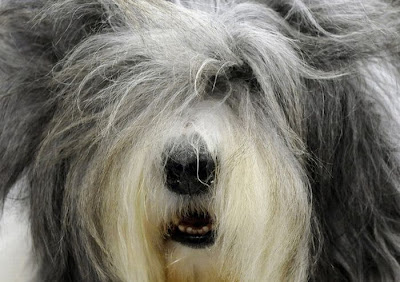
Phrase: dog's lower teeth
x=192 y=230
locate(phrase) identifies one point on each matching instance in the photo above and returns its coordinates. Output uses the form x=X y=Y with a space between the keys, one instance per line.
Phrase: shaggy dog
x=204 y=140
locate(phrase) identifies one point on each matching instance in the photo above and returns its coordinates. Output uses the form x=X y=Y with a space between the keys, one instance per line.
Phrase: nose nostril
x=193 y=174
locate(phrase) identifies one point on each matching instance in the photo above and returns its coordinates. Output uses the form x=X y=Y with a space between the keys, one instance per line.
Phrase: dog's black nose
x=189 y=172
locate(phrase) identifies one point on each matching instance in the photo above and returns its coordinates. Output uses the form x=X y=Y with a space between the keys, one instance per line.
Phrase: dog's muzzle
x=190 y=173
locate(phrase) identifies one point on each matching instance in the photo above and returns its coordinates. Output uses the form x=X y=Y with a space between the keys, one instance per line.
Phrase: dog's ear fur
x=32 y=46
x=353 y=169
x=355 y=182
x=36 y=37
x=319 y=25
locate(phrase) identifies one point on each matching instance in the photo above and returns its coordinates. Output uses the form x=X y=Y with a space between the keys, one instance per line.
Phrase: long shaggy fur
x=294 y=100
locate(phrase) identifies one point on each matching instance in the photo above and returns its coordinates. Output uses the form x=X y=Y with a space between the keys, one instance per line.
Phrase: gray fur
x=69 y=74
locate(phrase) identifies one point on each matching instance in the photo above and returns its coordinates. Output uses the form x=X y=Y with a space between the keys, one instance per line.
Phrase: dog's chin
x=194 y=230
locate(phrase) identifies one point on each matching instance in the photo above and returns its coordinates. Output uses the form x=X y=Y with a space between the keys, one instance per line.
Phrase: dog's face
x=200 y=141
x=190 y=173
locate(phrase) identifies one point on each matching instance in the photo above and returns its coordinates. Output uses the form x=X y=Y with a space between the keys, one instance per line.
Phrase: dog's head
x=228 y=140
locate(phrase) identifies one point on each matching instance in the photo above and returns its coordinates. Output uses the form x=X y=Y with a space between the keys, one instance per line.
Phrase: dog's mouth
x=194 y=230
